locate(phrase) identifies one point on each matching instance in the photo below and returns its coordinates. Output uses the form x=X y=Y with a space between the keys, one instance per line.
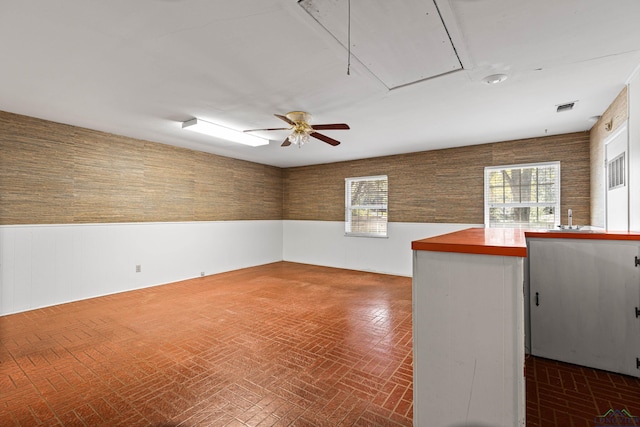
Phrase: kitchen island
x=468 y=329
x=469 y=321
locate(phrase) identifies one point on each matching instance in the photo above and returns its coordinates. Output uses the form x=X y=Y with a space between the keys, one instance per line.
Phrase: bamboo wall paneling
x=36 y=171
x=168 y=183
x=459 y=192
x=440 y=186
x=273 y=192
x=55 y=173
x=108 y=178
x=572 y=150
x=236 y=189
x=616 y=115
x=248 y=186
x=213 y=187
x=421 y=206
x=315 y=193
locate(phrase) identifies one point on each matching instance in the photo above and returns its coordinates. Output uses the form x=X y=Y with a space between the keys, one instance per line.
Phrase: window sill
x=375 y=236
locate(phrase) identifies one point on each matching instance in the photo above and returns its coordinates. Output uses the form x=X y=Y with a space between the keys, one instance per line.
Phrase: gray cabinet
x=583 y=299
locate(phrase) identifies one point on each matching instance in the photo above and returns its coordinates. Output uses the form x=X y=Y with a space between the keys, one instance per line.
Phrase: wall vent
x=616 y=172
x=565 y=107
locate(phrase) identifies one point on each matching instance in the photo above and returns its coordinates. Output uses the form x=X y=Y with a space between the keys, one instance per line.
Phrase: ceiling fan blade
x=286 y=119
x=325 y=138
x=331 y=126
x=286 y=143
x=256 y=130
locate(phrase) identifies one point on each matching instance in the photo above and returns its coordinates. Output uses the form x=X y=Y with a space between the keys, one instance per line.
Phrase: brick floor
x=561 y=394
x=275 y=345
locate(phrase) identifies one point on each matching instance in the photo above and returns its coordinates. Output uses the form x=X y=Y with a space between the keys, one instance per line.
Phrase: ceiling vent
x=565 y=107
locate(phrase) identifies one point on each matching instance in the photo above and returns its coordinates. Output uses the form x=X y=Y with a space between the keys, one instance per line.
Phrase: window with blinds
x=522 y=196
x=366 y=200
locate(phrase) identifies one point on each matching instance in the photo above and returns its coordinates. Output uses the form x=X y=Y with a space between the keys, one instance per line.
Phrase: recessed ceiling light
x=495 y=79
x=212 y=129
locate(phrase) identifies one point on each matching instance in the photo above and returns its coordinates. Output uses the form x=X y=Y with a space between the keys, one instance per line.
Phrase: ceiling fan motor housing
x=298 y=117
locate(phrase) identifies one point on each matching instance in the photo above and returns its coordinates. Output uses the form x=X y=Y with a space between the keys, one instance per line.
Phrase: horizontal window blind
x=366 y=201
x=522 y=196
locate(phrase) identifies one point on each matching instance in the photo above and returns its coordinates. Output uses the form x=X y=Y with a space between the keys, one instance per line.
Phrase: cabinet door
x=582 y=303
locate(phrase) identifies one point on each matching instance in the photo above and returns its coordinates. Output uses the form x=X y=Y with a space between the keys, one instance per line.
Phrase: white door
x=617 y=177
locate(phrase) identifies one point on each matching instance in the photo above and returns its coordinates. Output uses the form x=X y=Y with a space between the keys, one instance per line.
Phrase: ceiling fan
x=301 y=130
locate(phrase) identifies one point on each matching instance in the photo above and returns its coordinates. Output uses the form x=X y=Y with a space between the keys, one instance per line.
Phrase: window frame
x=556 y=204
x=349 y=207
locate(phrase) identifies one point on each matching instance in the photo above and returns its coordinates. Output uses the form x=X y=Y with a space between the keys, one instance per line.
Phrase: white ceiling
x=140 y=68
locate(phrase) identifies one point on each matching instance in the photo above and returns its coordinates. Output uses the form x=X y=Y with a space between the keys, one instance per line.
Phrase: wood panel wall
x=442 y=186
x=52 y=173
x=55 y=173
x=616 y=114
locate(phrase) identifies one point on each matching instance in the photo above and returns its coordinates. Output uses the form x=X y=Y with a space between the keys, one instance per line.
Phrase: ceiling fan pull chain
x=349 y=40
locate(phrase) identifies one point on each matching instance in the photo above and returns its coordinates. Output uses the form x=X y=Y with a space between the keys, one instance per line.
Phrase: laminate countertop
x=506 y=241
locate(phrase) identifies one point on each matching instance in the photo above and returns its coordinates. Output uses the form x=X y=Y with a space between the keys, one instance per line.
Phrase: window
x=522 y=196
x=366 y=206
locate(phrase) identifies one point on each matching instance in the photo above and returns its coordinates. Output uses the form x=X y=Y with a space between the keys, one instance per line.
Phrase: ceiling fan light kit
x=299 y=138
x=212 y=129
x=301 y=130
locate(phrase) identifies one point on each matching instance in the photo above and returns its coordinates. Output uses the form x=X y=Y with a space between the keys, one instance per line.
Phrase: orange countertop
x=483 y=241
x=505 y=241
x=587 y=234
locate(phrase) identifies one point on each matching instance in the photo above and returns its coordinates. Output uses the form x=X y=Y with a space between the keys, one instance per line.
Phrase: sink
x=575 y=229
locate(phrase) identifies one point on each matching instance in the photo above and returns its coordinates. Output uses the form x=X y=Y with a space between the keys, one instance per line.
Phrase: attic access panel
x=399 y=41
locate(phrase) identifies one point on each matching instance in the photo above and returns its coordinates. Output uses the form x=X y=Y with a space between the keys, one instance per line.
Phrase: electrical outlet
x=138 y=268
x=202 y=274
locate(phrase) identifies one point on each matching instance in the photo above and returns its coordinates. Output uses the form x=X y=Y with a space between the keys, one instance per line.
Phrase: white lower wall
x=324 y=243
x=43 y=265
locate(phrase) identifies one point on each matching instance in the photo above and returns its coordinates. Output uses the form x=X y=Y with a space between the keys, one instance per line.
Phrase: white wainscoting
x=43 y=265
x=324 y=243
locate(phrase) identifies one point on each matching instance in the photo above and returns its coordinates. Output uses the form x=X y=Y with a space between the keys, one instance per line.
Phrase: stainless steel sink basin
x=576 y=229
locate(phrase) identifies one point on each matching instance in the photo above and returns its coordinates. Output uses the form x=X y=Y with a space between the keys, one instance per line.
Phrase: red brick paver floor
x=565 y=395
x=275 y=345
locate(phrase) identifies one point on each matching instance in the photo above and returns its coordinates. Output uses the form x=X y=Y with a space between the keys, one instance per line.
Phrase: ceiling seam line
x=453 y=46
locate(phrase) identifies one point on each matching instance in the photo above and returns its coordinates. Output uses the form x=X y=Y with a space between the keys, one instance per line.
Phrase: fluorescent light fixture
x=218 y=131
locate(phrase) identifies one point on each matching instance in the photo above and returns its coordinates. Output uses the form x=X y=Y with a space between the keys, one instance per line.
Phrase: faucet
x=570 y=226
